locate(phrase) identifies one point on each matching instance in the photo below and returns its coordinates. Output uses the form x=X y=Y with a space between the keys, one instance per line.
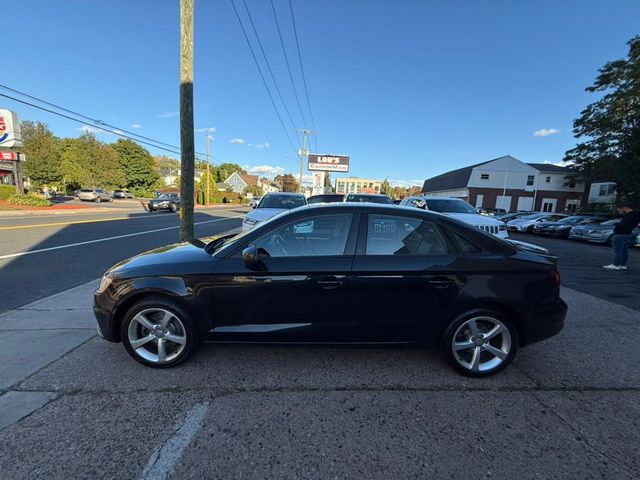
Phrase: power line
x=304 y=79
x=264 y=81
x=93 y=120
x=114 y=130
x=286 y=59
x=266 y=60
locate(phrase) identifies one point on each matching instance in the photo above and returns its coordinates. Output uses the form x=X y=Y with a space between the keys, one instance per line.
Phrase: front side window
x=399 y=235
x=321 y=235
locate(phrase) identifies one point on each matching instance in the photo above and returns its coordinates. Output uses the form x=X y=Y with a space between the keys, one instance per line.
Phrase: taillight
x=555 y=274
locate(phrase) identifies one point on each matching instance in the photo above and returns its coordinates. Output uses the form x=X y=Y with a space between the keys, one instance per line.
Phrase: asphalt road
x=580 y=266
x=46 y=254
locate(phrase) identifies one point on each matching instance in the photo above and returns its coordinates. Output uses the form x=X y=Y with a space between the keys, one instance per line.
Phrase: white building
x=508 y=183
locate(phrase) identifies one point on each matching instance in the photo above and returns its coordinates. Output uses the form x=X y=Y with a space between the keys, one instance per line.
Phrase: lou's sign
x=328 y=163
x=9 y=129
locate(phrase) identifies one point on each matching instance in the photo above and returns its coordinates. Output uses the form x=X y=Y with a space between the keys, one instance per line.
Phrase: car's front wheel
x=159 y=333
x=173 y=208
x=480 y=343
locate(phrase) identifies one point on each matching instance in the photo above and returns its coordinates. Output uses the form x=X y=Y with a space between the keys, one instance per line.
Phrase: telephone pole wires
x=187 y=149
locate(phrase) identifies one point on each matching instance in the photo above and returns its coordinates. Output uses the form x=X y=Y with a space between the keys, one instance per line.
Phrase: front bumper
x=102 y=312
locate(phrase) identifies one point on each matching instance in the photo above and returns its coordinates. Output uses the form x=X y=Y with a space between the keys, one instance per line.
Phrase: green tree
x=137 y=166
x=386 y=188
x=254 y=190
x=164 y=162
x=88 y=162
x=225 y=170
x=287 y=182
x=610 y=127
x=202 y=187
x=41 y=148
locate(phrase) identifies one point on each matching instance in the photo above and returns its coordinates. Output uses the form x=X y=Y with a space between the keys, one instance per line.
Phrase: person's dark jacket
x=629 y=221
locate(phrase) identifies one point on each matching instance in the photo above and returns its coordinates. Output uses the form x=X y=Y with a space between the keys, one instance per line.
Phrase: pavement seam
x=73 y=349
x=56 y=397
x=576 y=431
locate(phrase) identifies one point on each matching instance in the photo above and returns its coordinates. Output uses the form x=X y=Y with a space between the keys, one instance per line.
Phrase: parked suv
x=94 y=195
x=459 y=209
x=122 y=194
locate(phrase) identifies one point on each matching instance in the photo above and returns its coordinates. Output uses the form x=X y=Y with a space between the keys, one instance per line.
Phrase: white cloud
x=205 y=129
x=136 y=125
x=89 y=129
x=237 y=141
x=168 y=115
x=545 y=132
x=269 y=170
x=261 y=146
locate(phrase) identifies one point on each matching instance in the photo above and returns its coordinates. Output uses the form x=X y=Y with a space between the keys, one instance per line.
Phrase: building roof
x=250 y=179
x=451 y=180
x=549 y=168
x=459 y=178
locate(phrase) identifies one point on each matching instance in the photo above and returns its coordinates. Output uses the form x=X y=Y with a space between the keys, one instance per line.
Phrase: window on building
x=607 y=190
x=548 y=179
x=484 y=176
x=530 y=179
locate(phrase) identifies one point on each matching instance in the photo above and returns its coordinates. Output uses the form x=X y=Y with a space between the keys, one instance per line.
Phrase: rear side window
x=399 y=235
x=463 y=245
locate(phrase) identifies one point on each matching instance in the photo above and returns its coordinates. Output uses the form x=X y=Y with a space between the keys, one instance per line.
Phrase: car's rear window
x=282 y=201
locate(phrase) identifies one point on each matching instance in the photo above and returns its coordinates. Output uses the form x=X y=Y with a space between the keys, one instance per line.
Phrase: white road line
x=106 y=239
x=164 y=458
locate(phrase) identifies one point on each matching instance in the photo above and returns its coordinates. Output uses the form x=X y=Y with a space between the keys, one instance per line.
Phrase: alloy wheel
x=157 y=335
x=481 y=344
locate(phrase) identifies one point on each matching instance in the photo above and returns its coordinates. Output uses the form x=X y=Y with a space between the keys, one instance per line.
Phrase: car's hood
x=474 y=218
x=176 y=259
x=595 y=227
x=262 y=214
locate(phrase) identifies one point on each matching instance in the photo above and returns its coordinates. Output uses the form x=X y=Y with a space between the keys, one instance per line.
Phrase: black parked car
x=561 y=228
x=335 y=273
x=166 y=201
x=325 y=198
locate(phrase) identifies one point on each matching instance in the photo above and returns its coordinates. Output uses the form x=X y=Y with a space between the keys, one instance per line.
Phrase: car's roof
x=368 y=206
x=365 y=194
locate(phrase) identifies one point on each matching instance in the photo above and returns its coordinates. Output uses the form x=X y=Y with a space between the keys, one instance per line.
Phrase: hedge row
x=29 y=199
x=6 y=191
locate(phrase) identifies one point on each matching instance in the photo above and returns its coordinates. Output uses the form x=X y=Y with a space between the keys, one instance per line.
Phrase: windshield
x=610 y=223
x=369 y=199
x=324 y=199
x=282 y=201
x=449 y=206
x=166 y=196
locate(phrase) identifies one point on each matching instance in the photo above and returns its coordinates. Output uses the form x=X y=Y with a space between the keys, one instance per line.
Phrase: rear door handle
x=441 y=282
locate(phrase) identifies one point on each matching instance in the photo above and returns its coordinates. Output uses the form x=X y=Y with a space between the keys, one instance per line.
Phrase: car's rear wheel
x=98 y=199
x=480 y=343
x=174 y=208
x=159 y=333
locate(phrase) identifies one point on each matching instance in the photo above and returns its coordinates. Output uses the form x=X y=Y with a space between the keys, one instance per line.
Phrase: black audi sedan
x=337 y=273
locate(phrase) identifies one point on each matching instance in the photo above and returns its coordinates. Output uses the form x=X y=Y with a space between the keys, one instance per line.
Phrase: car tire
x=529 y=230
x=154 y=321
x=173 y=208
x=476 y=354
x=98 y=200
x=151 y=210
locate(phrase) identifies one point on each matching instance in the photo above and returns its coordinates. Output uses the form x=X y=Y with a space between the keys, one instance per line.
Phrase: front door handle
x=331 y=282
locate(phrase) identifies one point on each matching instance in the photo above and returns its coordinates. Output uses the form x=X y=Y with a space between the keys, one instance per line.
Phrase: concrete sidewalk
x=36 y=335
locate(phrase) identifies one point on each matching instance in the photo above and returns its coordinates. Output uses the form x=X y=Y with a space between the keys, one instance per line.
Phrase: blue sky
x=408 y=89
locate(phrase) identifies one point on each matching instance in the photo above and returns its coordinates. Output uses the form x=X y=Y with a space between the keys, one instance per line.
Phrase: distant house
x=238 y=182
x=508 y=183
x=170 y=176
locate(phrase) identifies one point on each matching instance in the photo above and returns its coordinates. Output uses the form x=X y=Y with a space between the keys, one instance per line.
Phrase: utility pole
x=303 y=153
x=208 y=177
x=187 y=149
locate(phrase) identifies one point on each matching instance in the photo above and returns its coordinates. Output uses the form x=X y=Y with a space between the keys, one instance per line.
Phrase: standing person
x=622 y=236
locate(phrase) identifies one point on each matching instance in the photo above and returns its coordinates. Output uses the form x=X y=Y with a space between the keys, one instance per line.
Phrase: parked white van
x=458 y=208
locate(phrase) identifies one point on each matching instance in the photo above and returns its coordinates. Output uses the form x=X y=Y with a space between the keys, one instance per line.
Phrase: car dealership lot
x=569 y=407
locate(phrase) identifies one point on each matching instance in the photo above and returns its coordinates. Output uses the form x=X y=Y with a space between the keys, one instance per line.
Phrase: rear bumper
x=546 y=322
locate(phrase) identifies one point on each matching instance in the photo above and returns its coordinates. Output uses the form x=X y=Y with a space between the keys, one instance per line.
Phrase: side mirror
x=254 y=205
x=250 y=256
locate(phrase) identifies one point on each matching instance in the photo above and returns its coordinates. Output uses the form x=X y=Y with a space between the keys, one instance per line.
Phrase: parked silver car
x=596 y=233
x=94 y=195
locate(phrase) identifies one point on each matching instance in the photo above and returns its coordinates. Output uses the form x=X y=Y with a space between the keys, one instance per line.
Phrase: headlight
x=104 y=283
x=250 y=221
